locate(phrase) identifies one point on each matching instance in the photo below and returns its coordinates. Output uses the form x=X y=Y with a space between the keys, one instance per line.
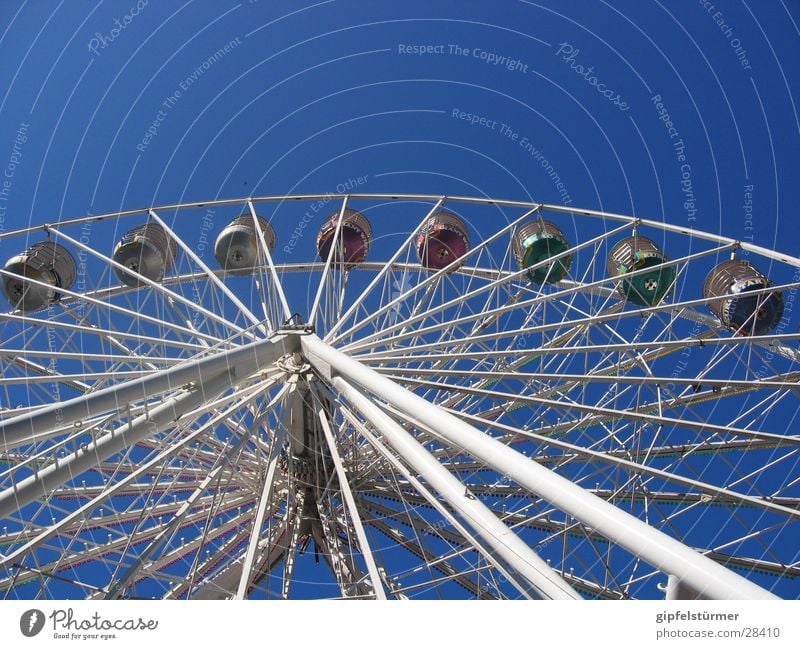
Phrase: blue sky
x=309 y=96
x=682 y=112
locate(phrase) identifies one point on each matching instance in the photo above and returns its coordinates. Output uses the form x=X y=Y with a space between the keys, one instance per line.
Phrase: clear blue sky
x=310 y=95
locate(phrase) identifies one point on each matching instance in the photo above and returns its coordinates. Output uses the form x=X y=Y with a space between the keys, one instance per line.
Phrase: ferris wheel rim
x=497 y=202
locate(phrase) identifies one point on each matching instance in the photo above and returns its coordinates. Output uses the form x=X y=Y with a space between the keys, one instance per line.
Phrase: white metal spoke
x=516 y=553
x=336 y=244
x=264 y=250
x=381 y=273
x=428 y=498
x=709 y=577
x=255 y=535
x=433 y=278
x=351 y=504
x=503 y=278
x=209 y=273
x=157 y=286
x=243 y=360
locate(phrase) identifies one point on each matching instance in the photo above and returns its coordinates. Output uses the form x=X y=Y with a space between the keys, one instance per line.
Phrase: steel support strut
x=146 y=425
x=242 y=361
x=545 y=582
x=703 y=575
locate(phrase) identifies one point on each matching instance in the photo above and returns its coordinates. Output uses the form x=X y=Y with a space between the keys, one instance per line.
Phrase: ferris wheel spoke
x=225 y=540
x=89 y=550
x=223 y=577
x=708 y=494
x=212 y=277
x=116 y=343
x=359 y=301
x=752 y=476
x=349 y=501
x=145 y=425
x=786 y=380
x=512 y=549
x=38 y=373
x=75 y=381
x=211 y=481
x=432 y=278
x=434 y=562
x=333 y=296
x=713 y=491
x=267 y=255
x=177 y=550
x=504 y=277
x=246 y=360
x=760 y=534
x=395 y=356
x=525 y=358
x=98 y=331
x=425 y=298
x=162 y=571
x=265 y=500
x=104 y=295
x=540 y=524
x=335 y=251
x=460 y=551
x=290 y=559
x=682 y=448
x=614 y=413
x=338 y=556
x=183 y=319
x=470 y=339
x=210 y=536
x=428 y=498
x=173 y=549
x=136 y=316
x=678 y=499
x=549 y=297
x=750 y=565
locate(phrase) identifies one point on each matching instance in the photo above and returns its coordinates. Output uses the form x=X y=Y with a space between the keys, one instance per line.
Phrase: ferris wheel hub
x=294 y=363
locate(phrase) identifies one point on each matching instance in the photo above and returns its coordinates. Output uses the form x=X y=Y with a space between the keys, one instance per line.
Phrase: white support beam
x=264 y=501
x=658 y=549
x=242 y=361
x=160 y=460
x=336 y=242
x=428 y=498
x=543 y=580
x=676 y=589
x=383 y=271
x=347 y=494
x=146 y=425
x=212 y=276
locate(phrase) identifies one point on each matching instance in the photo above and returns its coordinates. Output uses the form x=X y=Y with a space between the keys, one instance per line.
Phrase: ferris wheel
x=370 y=396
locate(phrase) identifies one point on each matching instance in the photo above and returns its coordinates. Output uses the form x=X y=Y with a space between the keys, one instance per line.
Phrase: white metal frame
x=221 y=372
